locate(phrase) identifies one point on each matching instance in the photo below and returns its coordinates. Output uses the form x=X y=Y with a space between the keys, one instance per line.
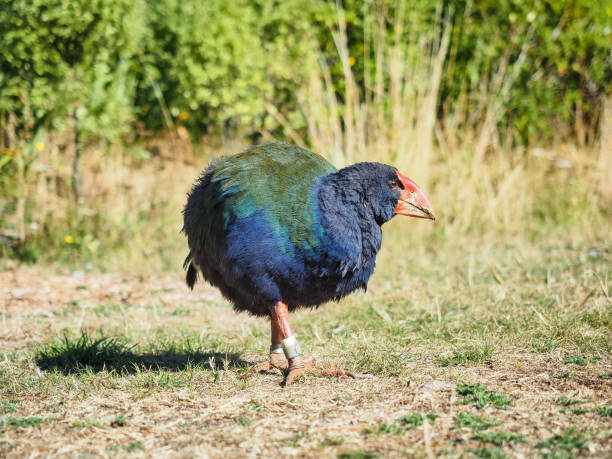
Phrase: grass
x=22 y=423
x=243 y=421
x=134 y=446
x=86 y=423
x=408 y=422
x=481 y=396
x=500 y=438
x=357 y=454
x=10 y=405
x=575 y=410
x=510 y=287
x=76 y=354
x=565 y=401
x=474 y=421
x=467 y=356
x=489 y=453
x=564 y=444
x=575 y=360
x=136 y=373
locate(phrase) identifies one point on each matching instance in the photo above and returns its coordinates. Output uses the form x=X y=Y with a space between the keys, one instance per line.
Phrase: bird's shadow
x=121 y=359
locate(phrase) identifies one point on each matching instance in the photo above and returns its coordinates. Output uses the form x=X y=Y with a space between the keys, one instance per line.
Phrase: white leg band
x=291 y=347
x=277 y=349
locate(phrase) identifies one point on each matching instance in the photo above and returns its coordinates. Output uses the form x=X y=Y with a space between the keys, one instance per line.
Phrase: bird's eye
x=396 y=185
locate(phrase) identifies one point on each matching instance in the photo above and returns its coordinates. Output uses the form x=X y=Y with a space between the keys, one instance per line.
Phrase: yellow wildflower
x=40 y=146
x=68 y=239
x=351 y=61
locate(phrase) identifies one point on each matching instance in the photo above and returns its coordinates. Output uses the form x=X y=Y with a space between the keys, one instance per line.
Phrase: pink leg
x=279 y=314
x=276 y=360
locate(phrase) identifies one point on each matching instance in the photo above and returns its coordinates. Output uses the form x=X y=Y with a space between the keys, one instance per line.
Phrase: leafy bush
x=220 y=64
x=61 y=58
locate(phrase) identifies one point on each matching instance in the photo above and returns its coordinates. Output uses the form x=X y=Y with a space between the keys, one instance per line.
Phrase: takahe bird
x=277 y=228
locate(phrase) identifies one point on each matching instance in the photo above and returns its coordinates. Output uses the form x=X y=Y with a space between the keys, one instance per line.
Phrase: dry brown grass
x=196 y=403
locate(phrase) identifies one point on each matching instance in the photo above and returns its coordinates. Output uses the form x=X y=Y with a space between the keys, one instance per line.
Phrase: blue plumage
x=279 y=223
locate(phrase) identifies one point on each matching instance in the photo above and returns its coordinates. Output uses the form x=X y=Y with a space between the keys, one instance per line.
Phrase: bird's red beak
x=413 y=202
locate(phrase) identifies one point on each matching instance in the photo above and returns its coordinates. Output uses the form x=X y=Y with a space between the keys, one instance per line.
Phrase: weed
x=545 y=346
x=576 y=360
x=119 y=421
x=566 y=442
x=134 y=446
x=24 y=423
x=604 y=411
x=296 y=439
x=86 y=423
x=408 y=422
x=482 y=396
x=470 y=355
x=10 y=405
x=357 y=454
x=564 y=375
x=489 y=453
x=243 y=421
x=500 y=438
x=332 y=441
x=565 y=401
x=256 y=404
x=574 y=410
x=474 y=421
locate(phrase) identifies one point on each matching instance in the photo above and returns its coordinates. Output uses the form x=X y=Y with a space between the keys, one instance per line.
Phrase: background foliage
x=214 y=64
x=103 y=101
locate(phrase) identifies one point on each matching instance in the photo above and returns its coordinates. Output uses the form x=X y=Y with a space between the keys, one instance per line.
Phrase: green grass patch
x=119 y=421
x=470 y=355
x=86 y=423
x=405 y=423
x=565 y=401
x=574 y=410
x=474 y=421
x=76 y=353
x=332 y=441
x=562 y=445
x=489 y=453
x=481 y=396
x=243 y=421
x=604 y=411
x=575 y=360
x=256 y=404
x=24 y=423
x=358 y=454
x=10 y=405
x=133 y=447
x=500 y=438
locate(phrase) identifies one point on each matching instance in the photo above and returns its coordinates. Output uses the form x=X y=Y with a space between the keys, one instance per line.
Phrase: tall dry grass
x=477 y=182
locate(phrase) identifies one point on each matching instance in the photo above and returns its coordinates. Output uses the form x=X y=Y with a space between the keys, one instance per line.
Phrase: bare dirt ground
x=200 y=407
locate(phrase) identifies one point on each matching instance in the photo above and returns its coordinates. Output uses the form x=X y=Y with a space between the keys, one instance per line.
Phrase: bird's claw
x=277 y=361
x=302 y=365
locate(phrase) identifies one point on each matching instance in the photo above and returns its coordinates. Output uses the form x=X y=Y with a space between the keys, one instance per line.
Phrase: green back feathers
x=276 y=178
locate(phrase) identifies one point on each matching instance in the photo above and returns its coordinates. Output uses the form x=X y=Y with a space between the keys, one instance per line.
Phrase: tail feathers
x=192 y=272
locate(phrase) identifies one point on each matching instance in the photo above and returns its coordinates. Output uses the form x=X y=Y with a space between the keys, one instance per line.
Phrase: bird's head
x=386 y=191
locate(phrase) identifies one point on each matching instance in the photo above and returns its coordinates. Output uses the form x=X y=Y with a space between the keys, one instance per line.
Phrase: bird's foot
x=306 y=364
x=277 y=361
